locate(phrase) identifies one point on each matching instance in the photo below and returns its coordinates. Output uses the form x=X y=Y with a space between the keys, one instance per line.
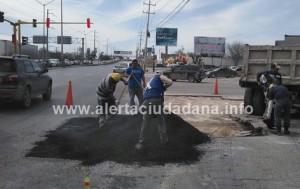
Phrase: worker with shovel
x=105 y=96
x=135 y=74
x=153 y=104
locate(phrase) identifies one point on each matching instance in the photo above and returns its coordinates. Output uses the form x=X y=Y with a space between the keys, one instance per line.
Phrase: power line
x=167 y=18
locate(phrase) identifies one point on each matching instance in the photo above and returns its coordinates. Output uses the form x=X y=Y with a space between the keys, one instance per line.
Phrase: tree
x=235 y=51
x=197 y=59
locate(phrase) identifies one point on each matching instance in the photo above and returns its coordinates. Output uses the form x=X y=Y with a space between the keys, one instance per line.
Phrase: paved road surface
x=242 y=162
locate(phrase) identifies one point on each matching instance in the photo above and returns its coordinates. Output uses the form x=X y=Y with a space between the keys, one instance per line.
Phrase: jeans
x=284 y=105
x=154 y=109
x=105 y=105
x=138 y=92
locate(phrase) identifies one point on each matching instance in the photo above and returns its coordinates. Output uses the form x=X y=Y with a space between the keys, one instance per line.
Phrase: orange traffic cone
x=69 y=99
x=216 y=90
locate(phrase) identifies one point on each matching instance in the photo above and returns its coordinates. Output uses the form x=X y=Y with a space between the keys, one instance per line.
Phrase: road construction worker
x=281 y=95
x=106 y=99
x=153 y=101
x=263 y=78
x=135 y=74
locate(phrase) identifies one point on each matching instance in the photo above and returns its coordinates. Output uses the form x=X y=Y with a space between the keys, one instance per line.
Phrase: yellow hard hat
x=115 y=76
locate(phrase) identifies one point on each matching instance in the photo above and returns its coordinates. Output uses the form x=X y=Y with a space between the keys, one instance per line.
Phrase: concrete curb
x=206 y=95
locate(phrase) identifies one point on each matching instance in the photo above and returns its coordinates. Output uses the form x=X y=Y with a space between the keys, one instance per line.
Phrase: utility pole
x=140 y=45
x=61 y=37
x=44 y=26
x=147 y=32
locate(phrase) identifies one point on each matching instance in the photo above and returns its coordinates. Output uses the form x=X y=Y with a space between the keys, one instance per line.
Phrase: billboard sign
x=66 y=40
x=211 y=46
x=39 y=39
x=166 y=36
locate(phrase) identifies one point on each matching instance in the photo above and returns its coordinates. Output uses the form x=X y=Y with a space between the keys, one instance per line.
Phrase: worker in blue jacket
x=153 y=102
x=264 y=78
x=281 y=95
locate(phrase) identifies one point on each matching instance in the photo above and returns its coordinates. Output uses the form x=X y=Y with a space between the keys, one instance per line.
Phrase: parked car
x=21 y=79
x=221 y=72
x=207 y=67
x=121 y=67
x=52 y=62
x=192 y=73
x=159 y=65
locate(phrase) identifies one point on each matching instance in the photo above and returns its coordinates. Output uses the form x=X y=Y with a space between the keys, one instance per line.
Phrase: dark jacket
x=279 y=92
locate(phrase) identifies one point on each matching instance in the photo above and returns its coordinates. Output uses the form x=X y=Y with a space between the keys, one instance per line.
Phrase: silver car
x=121 y=67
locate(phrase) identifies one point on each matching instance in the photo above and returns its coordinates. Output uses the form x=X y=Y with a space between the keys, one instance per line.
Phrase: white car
x=53 y=62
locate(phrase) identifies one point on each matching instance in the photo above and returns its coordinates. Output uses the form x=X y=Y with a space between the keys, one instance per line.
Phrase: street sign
x=66 y=40
x=39 y=39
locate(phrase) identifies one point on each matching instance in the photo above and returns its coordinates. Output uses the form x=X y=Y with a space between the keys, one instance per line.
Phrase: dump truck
x=259 y=58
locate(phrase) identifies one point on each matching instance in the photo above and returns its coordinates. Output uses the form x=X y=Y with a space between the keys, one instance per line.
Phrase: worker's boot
x=278 y=130
x=101 y=122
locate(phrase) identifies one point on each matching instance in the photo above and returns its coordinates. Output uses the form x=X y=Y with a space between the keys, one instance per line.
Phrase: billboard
x=166 y=36
x=66 y=40
x=210 y=46
x=39 y=39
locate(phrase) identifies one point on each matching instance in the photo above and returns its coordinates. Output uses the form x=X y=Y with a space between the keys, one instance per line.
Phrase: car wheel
x=259 y=105
x=248 y=99
x=198 y=81
x=48 y=93
x=213 y=75
x=26 y=101
x=191 y=78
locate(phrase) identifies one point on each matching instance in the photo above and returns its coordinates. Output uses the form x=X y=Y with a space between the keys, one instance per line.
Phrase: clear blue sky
x=118 y=22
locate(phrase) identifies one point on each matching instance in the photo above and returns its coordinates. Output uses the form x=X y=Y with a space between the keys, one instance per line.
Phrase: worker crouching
x=153 y=103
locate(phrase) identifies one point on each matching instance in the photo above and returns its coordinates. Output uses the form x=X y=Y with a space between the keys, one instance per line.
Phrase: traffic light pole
x=18 y=40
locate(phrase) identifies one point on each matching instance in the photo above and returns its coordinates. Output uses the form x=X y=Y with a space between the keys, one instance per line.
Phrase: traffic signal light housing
x=48 y=22
x=24 y=40
x=1 y=16
x=88 y=22
x=34 y=23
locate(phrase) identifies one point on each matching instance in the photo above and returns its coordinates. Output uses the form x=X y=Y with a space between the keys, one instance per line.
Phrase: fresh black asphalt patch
x=82 y=139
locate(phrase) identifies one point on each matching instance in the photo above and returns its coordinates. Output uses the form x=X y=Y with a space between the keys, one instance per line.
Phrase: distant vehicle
x=67 y=62
x=23 y=78
x=159 y=65
x=207 y=67
x=221 y=72
x=52 y=62
x=192 y=73
x=121 y=67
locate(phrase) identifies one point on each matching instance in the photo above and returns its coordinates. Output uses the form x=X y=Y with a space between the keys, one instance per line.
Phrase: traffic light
x=13 y=38
x=1 y=16
x=34 y=23
x=48 y=22
x=88 y=22
x=24 y=40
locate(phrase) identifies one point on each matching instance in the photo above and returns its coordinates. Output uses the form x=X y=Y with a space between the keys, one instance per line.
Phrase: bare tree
x=235 y=50
x=197 y=59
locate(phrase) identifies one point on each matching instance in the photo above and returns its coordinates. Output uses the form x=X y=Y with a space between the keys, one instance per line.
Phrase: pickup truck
x=192 y=73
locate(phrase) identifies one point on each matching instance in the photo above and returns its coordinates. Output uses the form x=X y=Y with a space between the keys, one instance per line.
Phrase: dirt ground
x=219 y=123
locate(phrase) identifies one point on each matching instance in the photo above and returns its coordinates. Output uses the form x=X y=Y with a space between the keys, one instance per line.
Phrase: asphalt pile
x=81 y=139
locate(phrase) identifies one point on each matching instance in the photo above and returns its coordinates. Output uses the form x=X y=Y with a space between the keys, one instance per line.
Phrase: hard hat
x=115 y=76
